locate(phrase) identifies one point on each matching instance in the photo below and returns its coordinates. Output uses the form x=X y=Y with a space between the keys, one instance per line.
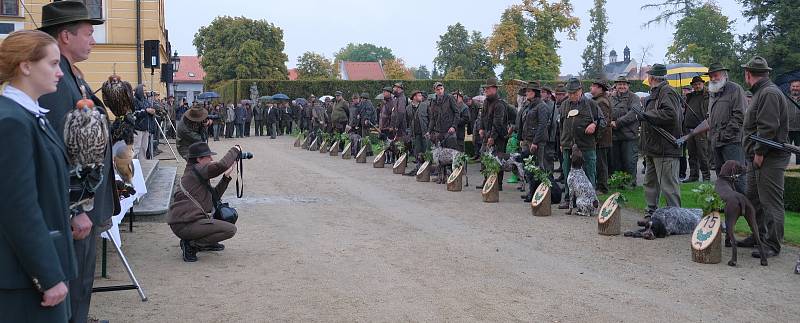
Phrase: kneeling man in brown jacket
x=189 y=215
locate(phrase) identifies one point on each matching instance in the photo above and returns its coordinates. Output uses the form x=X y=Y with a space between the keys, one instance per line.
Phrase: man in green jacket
x=695 y=114
x=661 y=155
x=768 y=118
x=625 y=134
x=599 y=91
x=340 y=114
x=581 y=120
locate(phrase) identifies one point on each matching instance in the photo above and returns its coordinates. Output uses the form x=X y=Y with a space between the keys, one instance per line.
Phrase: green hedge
x=235 y=90
x=792 y=191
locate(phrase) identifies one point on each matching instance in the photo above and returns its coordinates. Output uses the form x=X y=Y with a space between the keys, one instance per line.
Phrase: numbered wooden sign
x=491 y=190
x=346 y=152
x=324 y=147
x=334 y=151
x=306 y=143
x=380 y=160
x=424 y=172
x=541 y=202
x=314 y=145
x=706 y=240
x=608 y=218
x=454 y=183
x=361 y=157
x=399 y=166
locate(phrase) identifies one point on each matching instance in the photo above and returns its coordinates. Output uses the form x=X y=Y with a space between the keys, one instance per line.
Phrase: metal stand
x=128 y=270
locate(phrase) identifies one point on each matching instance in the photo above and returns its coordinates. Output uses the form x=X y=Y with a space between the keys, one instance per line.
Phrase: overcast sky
x=412 y=27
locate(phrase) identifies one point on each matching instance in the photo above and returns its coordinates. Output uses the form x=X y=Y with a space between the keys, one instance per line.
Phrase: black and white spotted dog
x=667 y=221
x=581 y=192
x=444 y=157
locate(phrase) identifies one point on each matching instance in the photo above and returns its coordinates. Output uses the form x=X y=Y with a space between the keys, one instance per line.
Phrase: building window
x=95 y=8
x=9 y=7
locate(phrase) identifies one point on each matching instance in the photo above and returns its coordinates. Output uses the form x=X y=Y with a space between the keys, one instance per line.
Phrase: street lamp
x=176 y=64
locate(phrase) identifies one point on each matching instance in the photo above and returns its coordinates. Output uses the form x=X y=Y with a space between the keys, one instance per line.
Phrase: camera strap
x=240 y=178
x=214 y=198
x=185 y=192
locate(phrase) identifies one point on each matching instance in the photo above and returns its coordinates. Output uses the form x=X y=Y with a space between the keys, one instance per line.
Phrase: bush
x=792 y=191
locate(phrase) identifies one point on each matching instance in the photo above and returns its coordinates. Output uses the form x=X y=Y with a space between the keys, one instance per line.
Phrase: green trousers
x=661 y=177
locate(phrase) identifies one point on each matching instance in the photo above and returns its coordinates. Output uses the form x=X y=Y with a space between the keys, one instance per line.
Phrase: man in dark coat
x=340 y=113
x=241 y=117
x=444 y=114
x=272 y=117
x=768 y=118
x=386 y=111
x=496 y=128
x=695 y=114
x=663 y=109
x=419 y=125
x=248 y=118
x=69 y=23
x=599 y=92
x=365 y=118
x=258 y=118
x=463 y=120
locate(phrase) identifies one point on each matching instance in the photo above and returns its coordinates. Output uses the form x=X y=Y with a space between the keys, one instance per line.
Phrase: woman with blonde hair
x=36 y=252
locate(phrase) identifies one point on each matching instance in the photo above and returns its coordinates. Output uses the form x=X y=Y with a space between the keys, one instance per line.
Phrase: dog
x=513 y=163
x=667 y=221
x=736 y=205
x=581 y=192
x=444 y=157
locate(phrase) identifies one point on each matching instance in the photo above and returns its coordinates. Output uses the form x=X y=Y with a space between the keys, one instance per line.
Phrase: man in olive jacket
x=695 y=114
x=189 y=215
x=581 y=120
x=419 y=125
x=625 y=133
x=340 y=113
x=443 y=118
x=496 y=131
x=768 y=118
x=69 y=23
x=599 y=92
x=663 y=110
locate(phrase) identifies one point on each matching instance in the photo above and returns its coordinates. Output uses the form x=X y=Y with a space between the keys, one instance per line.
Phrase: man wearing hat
x=443 y=118
x=398 y=119
x=72 y=27
x=340 y=113
x=463 y=120
x=190 y=222
x=419 y=127
x=495 y=128
x=534 y=131
x=191 y=129
x=625 y=129
x=307 y=112
x=696 y=112
x=768 y=118
x=364 y=120
x=581 y=122
x=599 y=91
x=386 y=111
x=663 y=109
x=794 y=116
x=726 y=106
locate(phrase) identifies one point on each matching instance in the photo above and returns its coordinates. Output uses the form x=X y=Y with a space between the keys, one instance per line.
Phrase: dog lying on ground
x=581 y=192
x=736 y=205
x=444 y=157
x=667 y=221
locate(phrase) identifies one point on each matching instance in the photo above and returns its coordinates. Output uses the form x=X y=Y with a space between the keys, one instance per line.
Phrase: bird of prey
x=86 y=139
x=118 y=97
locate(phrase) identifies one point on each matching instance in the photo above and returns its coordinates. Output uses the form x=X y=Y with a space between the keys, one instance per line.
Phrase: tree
x=670 y=9
x=595 y=51
x=395 y=69
x=363 y=53
x=703 y=36
x=525 y=43
x=456 y=73
x=776 y=35
x=421 y=72
x=238 y=47
x=459 y=48
x=313 y=66
x=482 y=66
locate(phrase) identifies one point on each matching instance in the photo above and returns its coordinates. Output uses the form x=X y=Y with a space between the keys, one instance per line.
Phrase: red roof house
x=356 y=71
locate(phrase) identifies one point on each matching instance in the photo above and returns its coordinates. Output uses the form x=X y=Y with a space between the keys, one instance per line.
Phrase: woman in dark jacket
x=145 y=123
x=36 y=252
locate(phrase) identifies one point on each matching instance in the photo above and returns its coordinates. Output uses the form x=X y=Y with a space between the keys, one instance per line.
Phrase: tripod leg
x=161 y=130
x=127 y=267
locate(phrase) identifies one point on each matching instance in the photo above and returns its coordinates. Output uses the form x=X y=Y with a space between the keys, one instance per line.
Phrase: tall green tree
x=594 y=53
x=314 y=66
x=525 y=42
x=704 y=36
x=365 y=52
x=465 y=52
x=238 y=47
x=776 y=35
x=421 y=72
x=482 y=65
x=670 y=9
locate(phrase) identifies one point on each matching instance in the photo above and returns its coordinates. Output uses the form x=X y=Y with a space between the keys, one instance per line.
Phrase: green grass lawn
x=636 y=202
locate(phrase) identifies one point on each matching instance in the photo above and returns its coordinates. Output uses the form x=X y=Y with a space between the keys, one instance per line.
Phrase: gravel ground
x=326 y=239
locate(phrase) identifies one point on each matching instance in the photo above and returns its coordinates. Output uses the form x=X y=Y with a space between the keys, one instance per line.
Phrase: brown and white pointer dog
x=736 y=205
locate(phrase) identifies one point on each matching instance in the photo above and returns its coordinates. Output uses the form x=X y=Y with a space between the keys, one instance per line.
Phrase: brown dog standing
x=736 y=205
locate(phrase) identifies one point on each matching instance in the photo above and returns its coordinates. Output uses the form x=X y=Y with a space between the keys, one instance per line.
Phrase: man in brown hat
x=72 y=27
x=662 y=110
x=625 y=133
x=695 y=114
x=726 y=106
x=599 y=90
x=581 y=121
x=495 y=128
x=419 y=127
x=767 y=117
x=340 y=113
x=191 y=129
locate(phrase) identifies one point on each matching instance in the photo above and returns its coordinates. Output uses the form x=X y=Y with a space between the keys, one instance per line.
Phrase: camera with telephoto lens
x=245 y=155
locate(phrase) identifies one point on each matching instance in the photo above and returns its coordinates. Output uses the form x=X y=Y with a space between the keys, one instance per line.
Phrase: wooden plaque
x=314 y=145
x=707 y=240
x=399 y=166
x=323 y=148
x=609 y=207
x=609 y=216
x=491 y=190
x=361 y=157
x=541 y=201
x=380 y=160
x=346 y=154
x=424 y=172
x=334 y=151
x=454 y=183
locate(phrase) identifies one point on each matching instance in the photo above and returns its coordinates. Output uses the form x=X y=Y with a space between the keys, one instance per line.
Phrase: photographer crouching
x=196 y=214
